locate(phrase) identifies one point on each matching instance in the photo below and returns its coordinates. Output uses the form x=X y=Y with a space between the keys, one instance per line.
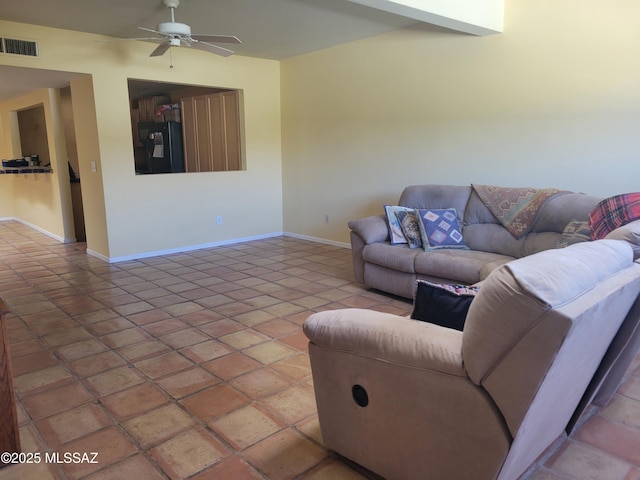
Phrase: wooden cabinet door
x=211 y=132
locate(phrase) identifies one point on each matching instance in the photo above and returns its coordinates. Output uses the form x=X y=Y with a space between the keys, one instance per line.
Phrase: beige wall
x=553 y=101
x=128 y=215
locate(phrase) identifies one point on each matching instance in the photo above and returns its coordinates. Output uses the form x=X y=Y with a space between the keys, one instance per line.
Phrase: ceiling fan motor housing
x=174 y=28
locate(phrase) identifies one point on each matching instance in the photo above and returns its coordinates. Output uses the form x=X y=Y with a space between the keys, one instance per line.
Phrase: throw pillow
x=439 y=228
x=575 y=232
x=441 y=304
x=410 y=228
x=613 y=212
x=395 y=229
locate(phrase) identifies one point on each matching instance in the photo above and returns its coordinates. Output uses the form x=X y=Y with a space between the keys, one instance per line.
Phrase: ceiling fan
x=176 y=34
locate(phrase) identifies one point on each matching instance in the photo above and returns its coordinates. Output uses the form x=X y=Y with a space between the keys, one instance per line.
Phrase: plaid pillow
x=613 y=212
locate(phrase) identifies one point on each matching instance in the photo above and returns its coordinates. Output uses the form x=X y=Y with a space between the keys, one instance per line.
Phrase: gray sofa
x=542 y=338
x=395 y=268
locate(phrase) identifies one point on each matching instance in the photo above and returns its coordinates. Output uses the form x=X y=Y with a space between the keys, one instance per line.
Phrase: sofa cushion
x=395 y=257
x=460 y=266
x=395 y=229
x=436 y=196
x=442 y=304
x=559 y=211
x=439 y=228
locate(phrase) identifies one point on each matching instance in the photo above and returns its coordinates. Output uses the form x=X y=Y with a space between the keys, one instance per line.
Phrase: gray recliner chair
x=413 y=400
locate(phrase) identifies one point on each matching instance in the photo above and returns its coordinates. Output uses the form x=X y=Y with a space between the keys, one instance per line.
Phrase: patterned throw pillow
x=576 y=231
x=439 y=228
x=410 y=228
x=613 y=212
x=441 y=304
x=395 y=229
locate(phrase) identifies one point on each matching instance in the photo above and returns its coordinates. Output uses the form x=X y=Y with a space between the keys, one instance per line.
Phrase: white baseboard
x=189 y=248
x=317 y=240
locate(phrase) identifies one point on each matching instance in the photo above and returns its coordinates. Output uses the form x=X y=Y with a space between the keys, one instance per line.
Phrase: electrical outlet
x=219 y=219
x=326 y=218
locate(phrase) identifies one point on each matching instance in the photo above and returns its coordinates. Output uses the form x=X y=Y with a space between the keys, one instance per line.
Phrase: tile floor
x=194 y=365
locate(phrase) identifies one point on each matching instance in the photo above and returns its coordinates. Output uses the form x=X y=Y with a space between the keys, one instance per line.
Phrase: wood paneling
x=9 y=435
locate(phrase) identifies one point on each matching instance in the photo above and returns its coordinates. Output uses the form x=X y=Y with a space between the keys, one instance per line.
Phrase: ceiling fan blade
x=207 y=47
x=216 y=38
x=160 y=49
x=150 y=30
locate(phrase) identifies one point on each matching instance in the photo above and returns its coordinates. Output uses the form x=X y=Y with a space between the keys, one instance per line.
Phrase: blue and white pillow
x=439 y=228
x=395 y=229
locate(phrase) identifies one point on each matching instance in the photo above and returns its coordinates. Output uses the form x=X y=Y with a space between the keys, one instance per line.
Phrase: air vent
x=18 y=47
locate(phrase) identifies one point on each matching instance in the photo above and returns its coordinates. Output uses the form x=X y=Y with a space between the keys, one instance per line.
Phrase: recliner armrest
x=372 y=229
x=388 y=337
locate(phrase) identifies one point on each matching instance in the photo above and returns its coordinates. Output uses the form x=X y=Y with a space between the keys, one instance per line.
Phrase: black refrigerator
x=164 y=151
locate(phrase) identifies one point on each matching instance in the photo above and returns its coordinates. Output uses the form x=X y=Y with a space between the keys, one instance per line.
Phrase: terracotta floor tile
x=222 y=327
x=110 y=444
x=623 y=409
x=188 y=453
x=244 y=339
x=583 y=461
x=231 y=365
x=67 y=336
x=124 y=338
x=231 y=468
x=205 y=351
x=81 y=349
x=74 y=353
x=162 y=365
x=333 y=469
x=71 y=424
x=214 y=401
x=617 y=439
x=246 y=426
x=260 y=383
x=110 y=326
x=56 y=400
x=157 y=425
x=184 y=338
x=163 y=327
x=277 y=328
x=47 y=377
x=33 y=362
x=94 y=364
x=148 y=316
x=296 y=367
x=292 y=404
x=187 y=382
x=284 y=455
x=143 y=350
x=182 y=308
x=134 y=401
x=136 y=467
x=631 y=388
x=114 y=380
x=269 y=352
x=201 y=317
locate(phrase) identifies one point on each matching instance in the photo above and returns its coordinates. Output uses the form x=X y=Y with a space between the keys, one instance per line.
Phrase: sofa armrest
x=372 y=229
x=388 y=337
